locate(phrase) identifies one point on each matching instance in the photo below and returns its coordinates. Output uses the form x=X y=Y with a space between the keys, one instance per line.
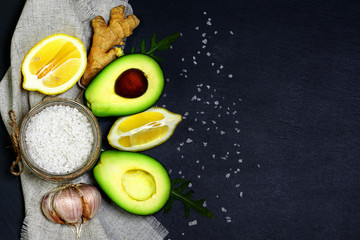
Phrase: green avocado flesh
x=128 y=85
x=136 y=182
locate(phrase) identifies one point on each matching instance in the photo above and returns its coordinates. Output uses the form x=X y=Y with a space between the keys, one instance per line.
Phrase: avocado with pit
x=136 y=182
x=128 y=85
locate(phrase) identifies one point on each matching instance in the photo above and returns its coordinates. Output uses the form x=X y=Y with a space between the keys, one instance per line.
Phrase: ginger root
x=106 y=39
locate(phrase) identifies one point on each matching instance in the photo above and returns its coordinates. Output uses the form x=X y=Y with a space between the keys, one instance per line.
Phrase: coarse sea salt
x=59 y=139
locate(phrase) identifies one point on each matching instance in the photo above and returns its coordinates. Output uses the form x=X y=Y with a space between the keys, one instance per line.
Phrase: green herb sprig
x=156 y=46
x=177 y=193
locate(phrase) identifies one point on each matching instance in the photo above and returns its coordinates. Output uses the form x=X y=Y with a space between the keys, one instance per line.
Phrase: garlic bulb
x=70 y=203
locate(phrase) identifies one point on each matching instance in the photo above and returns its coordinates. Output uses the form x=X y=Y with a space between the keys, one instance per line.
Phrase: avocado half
x=136 y=182
x=128 y=85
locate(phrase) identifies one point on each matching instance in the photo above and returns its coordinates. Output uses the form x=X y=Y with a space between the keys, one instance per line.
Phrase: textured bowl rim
x=94 y=153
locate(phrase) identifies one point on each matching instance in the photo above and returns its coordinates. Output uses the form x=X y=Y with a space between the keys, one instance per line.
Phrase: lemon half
x=54 y=64
x=143 y=130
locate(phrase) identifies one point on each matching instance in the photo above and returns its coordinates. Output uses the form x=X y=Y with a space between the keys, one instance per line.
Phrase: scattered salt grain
x=205 y=144
x=223 y=209
x=193 y=223
x=241 y=194
x=196 y=28
x=204 y=41
x=231 y=32
x=227 y=175
x=230 y=75
x=189 y=140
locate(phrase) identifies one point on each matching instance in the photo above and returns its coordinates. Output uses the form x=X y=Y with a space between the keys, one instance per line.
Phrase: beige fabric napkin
x=39 y=19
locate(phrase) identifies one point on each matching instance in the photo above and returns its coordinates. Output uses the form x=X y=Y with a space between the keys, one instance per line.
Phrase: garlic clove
x=91 y=200
x=47 y=208
x=67 y=204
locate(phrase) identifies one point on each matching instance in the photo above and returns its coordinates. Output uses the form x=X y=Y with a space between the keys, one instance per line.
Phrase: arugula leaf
x=156 y=46
x=177 y=193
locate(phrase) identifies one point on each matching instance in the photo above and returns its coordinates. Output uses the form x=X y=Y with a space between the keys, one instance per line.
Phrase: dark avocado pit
x=132 y=83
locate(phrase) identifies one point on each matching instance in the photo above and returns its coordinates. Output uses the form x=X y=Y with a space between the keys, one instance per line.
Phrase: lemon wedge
x=54 y=64
x=143 y=130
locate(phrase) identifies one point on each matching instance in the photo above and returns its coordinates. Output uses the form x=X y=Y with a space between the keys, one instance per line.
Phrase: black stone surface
x=271 y=103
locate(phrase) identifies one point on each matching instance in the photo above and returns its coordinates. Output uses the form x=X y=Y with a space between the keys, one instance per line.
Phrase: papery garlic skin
x=91 y=200
x=67 y=204
x=47 y=208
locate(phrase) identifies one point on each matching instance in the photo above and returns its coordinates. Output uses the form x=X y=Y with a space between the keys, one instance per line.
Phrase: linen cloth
x=39 y=19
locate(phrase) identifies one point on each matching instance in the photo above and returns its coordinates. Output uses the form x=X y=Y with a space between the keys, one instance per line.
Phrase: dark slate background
x=270 y=135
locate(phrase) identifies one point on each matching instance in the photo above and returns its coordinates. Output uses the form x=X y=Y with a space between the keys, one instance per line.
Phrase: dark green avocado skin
x=100 y=94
